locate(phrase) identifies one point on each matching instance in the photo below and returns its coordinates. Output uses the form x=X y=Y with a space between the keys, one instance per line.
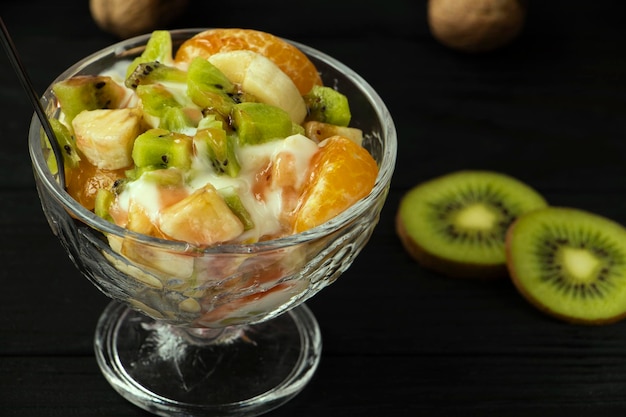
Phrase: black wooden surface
x=550 y=109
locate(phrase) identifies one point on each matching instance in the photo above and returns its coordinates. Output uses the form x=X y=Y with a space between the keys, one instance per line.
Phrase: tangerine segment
x=289 y=58
x=342 y=172
x=84 y=182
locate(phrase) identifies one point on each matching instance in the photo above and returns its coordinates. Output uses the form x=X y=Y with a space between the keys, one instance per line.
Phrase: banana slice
x=262 y=78
x=105 y=136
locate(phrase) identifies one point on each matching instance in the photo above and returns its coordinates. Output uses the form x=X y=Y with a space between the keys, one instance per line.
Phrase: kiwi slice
x=570 y=263
x=456 y=224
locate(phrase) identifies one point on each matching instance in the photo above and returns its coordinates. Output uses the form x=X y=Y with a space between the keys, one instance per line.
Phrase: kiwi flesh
x=156 y=99
x=258 y=123
x=327 y=105
x=158 y=48
x=160 y=149
x=154 y=72
x=71 y=156
x=456 y=224
x=569 y=263
x=88 y=92
x=210 y=89
x=219 y=147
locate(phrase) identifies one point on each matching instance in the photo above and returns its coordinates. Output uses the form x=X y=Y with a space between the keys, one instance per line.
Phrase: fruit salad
x=229 y=139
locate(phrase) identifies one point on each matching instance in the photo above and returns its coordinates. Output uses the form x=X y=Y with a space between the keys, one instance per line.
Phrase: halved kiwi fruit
x=570 y=264
x=456 y=224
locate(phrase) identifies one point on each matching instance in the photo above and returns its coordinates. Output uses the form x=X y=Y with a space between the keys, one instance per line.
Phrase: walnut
x=476 y=25
x=127 y=18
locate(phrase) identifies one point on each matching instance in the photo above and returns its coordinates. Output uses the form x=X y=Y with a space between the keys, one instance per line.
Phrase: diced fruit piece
x=284 y=174
x=159 y=148
x=288 y=57
x=148 y=261
x=219 y=147
x=104 y=200
x=318 y=131
x=139 y=221
x=327 y=105
x=203 y=218
x=66 y=143
x=209 y=88
x=232 y=199
x=158 y=48
x=88 y=92
x=260 y=77
x=164 y=109
x=257 y=123
x=156 y=99
x=106 y=136
x=83 y=182
x=175 y=119
x=153 y=72
x=165 y=177
x=341 y=173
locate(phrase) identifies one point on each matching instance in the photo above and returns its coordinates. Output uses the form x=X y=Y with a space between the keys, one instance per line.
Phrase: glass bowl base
x=235 y=371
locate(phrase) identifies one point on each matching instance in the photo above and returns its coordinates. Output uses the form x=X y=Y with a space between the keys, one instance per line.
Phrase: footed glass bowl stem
x=235 y=371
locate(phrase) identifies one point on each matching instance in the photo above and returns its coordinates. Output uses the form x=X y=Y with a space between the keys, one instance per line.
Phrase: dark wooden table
x=550 y=109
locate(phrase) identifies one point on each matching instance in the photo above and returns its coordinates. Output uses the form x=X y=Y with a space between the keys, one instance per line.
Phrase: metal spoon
x=9 y=46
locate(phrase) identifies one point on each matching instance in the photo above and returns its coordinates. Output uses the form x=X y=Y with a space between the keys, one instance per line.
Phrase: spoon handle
x=11 y=51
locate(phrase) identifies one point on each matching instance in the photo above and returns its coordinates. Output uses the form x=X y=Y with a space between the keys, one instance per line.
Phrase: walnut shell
x=476 y=25
x=127 y=18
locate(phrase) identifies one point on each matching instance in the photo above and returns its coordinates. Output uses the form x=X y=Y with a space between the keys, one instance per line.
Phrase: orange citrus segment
x=84 y=182
x=289 y=58
x=342 y=172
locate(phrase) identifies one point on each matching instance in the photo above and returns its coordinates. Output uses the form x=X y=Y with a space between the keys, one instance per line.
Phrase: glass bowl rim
x=129 y=46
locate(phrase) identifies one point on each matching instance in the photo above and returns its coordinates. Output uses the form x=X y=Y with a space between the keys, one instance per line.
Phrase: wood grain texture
x=398 y=340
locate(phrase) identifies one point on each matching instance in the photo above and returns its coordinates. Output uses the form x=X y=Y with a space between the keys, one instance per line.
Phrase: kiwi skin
x=522 y=286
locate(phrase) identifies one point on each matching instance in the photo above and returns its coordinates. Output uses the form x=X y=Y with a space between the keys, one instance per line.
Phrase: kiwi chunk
x=258 y=123
x=154 y=72
x=569 y=263
x=456 y=224
x=156 y=99
x=66 y=141
x=87 y=92
x=160 y=148
x=104 y=200
x=167 y=110
x=233 y=201
x=214 y=143
x=327 y=105
x=209 y=88
x=158 y=48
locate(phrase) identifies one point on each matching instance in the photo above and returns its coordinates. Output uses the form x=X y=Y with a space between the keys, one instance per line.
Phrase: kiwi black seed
x=570 y=263
x=456 y=224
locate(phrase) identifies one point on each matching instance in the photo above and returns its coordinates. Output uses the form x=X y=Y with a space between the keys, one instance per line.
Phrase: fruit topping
x=328 y=105
x=88 y=92
x=106 y=136
x=288 y=57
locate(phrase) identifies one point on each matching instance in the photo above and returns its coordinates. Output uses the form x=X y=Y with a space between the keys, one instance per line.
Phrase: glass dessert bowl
x=221 y=330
